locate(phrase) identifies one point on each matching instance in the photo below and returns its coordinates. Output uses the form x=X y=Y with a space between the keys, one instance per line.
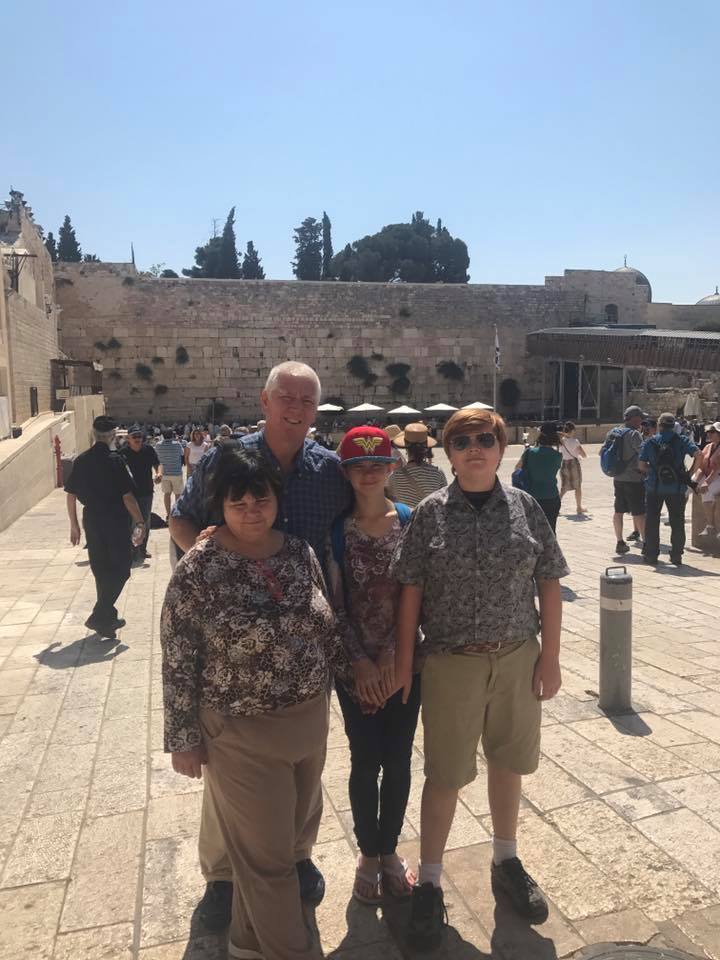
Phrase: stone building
x=173 y=348
x=28 y=313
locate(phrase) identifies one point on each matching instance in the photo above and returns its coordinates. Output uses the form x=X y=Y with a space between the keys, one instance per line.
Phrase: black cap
x=136 y=429
x=104 y=424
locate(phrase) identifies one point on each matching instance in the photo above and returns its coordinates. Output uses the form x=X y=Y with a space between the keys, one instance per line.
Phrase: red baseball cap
x=365 y=443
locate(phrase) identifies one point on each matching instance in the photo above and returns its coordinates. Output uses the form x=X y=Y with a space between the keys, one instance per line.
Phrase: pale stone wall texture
x=28 y=316
x=235 y=331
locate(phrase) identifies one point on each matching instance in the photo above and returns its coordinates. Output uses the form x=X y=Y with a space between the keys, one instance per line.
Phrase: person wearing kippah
x=101 y=481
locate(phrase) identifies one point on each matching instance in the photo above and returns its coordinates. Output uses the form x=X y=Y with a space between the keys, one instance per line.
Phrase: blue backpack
x=611 y=461
x=521 y=476
x=337 y=533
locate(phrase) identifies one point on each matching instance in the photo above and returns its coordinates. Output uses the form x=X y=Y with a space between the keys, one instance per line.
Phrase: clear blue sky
x=546 y=135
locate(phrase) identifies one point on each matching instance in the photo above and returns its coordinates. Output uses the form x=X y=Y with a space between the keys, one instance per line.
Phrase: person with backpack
x=662 y=462
x=619 y=460
x=541 y=463
x=379 y=726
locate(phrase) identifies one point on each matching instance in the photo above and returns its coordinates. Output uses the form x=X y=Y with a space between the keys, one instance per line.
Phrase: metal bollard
x=616 y=640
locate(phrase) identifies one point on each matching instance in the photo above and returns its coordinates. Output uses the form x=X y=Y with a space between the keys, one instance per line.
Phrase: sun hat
x=365 y=443
x=713 y=426
x=393 y=430
x=415 y=433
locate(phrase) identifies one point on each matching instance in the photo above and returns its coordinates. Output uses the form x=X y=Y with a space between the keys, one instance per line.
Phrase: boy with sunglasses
x=470 y=561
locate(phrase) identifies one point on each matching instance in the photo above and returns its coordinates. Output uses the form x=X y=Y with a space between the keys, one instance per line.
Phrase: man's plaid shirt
x=314 y=492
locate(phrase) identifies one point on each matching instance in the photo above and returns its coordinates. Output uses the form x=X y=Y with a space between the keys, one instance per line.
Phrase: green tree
x=229 y=268
x=68 y=250
x=169 y=275
x=307 y=264
x=251 y=265
x=207 y=260
x=51 y=247
x=415 y=252
x=91 y=258
x=327 y=247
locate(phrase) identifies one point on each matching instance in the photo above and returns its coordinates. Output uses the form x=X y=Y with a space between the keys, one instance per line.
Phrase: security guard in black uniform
x=101 y=481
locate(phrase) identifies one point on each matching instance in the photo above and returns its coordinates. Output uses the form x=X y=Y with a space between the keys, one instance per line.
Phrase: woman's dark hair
x=569 y=426
x=417 y=452
x=240 y=472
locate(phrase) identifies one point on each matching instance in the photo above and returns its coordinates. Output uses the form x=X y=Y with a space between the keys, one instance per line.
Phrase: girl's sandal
x=366 y=888
x=399 y=885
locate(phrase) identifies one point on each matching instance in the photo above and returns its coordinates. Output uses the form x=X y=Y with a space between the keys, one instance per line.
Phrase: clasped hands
x=375 y=681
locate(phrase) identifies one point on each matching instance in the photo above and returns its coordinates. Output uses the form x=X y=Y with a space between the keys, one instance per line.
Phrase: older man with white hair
x=314 y=493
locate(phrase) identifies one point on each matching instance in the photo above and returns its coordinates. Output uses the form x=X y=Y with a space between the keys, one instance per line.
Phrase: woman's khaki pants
x=263 y=774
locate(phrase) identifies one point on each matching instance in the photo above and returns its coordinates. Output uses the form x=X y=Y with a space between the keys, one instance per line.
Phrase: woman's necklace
x=271 y=581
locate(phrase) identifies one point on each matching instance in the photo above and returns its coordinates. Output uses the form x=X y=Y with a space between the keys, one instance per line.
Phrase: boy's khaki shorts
x=173 y=484
x=471 y=697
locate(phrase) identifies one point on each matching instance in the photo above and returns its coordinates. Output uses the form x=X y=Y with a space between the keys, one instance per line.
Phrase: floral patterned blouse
x=244 y=637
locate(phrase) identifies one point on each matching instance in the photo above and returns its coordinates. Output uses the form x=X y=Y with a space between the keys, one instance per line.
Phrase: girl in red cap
x=379 y=726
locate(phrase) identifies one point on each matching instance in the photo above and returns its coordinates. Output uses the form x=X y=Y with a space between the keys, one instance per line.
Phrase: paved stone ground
x=621 y=825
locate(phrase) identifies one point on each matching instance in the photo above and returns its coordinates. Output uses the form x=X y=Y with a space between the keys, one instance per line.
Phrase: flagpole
x=495 y=368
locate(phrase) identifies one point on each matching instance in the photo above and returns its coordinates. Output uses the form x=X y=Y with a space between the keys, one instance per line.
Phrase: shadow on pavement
x=79 y=653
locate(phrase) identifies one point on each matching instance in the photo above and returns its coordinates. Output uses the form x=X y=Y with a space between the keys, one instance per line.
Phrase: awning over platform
x=629 y=347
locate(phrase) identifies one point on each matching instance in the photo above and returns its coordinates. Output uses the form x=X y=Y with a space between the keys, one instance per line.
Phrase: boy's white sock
x=503 y=850
x=430 y=873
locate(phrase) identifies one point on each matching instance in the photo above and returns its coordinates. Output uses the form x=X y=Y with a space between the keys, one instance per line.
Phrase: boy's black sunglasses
x=463 y=441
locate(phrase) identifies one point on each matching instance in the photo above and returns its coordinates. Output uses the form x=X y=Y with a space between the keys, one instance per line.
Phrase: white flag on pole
x=497 y=350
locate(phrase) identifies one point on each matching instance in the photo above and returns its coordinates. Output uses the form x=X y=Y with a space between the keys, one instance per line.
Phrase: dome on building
x=712 y=299
x=639 y=277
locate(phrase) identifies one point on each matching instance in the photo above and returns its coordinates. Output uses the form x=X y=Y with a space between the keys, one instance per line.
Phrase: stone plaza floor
x=621 y=824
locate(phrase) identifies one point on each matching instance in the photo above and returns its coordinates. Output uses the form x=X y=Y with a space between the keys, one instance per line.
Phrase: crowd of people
x=302 y=568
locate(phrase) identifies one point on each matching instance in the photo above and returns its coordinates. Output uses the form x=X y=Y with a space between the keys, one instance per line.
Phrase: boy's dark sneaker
x=622 y=547
x=428 y=917
x=215 y=908
x=633 y=536
x=511 y=878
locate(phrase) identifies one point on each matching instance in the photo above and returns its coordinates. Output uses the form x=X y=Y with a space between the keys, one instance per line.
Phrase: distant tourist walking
x=662 y=462
x=379 y=726
x=171 y=455
x=708 y=477
x=619 y=460
x=413 y=481
x=195 y=450
x=101 y=482
x=250 y=644
x=571 y=471
x=141 y=460
x=542 y=461
x=471 y=561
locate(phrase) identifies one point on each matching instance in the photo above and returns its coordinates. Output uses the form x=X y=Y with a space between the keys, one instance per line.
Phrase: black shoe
x=428 y=917
x=312 y=882
x=148 y=556
x=676 y=561
x=622 y=547
x=215 y=908
x=511 y=878
x=633 y=536
x=651 y=561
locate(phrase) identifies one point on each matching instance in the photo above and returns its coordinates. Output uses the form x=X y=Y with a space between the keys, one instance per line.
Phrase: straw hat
x=415 y=433
x=393 y=430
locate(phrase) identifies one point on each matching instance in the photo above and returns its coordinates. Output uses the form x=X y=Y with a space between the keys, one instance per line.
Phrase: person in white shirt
x=570 y=471
x=195 y=450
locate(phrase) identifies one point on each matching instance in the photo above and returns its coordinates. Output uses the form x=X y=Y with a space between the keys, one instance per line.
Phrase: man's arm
x=189 y=513
x=71 y=502
x=131 y=505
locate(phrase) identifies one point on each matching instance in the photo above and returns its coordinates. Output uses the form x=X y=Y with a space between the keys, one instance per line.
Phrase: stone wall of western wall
x=235 y=331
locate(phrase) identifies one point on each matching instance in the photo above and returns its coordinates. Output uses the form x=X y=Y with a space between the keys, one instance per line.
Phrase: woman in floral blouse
x=379 y=726
x=249 y=644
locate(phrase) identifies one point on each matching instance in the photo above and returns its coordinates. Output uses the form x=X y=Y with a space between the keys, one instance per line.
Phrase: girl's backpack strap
x=404 y=513
x=337 y=539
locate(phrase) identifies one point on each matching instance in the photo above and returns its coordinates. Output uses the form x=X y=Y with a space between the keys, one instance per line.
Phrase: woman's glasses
x=464 y=441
